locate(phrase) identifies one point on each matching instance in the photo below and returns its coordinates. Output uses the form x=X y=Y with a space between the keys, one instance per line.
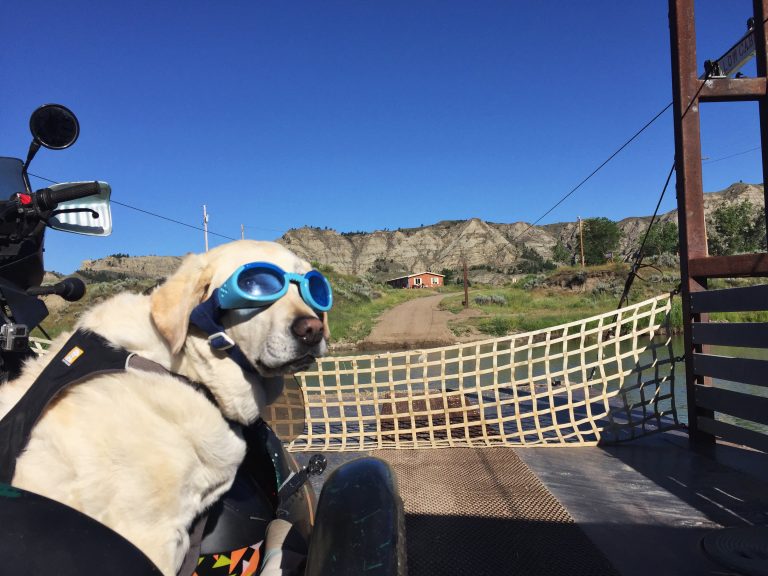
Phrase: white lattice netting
x=605 y=378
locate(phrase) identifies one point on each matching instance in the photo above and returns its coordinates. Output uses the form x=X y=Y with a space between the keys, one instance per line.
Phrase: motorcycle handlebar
x=47 y=199
x=71 y=289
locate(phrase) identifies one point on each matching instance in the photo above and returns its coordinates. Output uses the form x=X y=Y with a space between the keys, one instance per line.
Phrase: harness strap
x=85 y=354
x=140 y=363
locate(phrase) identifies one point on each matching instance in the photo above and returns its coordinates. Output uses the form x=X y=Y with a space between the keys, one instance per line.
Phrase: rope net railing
x=607 y=378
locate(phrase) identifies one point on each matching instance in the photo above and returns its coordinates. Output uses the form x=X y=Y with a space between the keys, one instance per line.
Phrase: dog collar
x=207 y=317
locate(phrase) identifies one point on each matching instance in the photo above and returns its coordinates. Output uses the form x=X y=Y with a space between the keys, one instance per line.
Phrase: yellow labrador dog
x=145 y=452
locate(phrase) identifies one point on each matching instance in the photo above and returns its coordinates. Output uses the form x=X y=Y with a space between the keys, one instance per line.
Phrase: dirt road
x=414 y=324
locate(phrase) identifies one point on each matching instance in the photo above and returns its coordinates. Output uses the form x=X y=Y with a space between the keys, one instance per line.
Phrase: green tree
x=601 y=239
x=738 y=228
x=531 y=262
x=561 y=254
x=449 y=274
x=662 y=239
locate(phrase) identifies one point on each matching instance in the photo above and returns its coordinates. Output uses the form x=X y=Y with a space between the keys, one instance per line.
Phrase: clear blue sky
x=357 y=115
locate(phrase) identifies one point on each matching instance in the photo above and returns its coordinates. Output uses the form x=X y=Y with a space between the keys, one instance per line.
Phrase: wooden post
x=466 y=283
x=581 y=241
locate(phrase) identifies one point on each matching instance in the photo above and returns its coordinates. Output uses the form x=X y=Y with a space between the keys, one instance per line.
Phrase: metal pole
x=242 y=231
x=581 y=241
x=466 y=283
x=690 y=192
x=205 y=227
x=760 y=13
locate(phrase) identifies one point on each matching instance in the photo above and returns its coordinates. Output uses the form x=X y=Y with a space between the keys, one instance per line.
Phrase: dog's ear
x=326 y=327
x=173 y=301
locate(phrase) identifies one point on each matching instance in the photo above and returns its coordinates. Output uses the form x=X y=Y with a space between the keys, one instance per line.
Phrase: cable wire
x=639 y=254
x=713 y=160
x=595 y=171
x=172 y=220
x=149 y=213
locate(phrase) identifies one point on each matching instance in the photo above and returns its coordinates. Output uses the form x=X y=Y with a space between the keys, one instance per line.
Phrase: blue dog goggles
x=260 y=284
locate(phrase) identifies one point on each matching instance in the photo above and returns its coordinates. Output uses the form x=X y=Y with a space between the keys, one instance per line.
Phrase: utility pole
x=581 y=241
x=466 y=283
x=242 y=231
x=205 y=227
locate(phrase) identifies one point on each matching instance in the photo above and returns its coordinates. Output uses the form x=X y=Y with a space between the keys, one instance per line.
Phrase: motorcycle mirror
x=54 y=126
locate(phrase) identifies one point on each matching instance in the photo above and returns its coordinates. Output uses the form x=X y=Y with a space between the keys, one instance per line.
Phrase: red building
x=420 y=280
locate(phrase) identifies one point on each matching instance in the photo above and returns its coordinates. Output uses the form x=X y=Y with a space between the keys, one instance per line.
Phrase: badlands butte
x=491 y=249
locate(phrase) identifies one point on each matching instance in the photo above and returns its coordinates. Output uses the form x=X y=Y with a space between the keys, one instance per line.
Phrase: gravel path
x=414 y=324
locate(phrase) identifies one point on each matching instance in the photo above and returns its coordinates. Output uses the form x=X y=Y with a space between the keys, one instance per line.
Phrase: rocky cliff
x=484 y=244
x=491 y=249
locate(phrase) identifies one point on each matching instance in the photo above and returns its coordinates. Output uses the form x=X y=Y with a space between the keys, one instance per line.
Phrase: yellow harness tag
x=72 y=356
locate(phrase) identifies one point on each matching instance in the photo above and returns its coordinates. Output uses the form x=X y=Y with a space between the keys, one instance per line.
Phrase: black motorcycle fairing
x=11 y=176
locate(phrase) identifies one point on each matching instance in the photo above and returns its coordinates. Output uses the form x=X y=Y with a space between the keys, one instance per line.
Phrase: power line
x=595 y=171
x=171 y=220
x=612 y=156
x=148 y=212
x=713 y=160
x=530 y=226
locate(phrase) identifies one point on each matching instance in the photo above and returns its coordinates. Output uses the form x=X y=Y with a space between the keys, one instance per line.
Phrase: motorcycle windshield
x=286 y=415
x=11 y=179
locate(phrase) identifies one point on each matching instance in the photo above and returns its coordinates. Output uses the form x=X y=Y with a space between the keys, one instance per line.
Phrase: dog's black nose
x=308 y=330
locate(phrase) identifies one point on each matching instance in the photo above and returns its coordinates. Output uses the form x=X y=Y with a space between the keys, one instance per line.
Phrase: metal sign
x=739 y=55
x=732 y=61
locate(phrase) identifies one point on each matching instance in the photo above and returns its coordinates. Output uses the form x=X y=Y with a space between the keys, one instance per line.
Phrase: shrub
x=492 y=299
x=666 y=261
x=534 y=282
x=602 y=288
x=496 y=325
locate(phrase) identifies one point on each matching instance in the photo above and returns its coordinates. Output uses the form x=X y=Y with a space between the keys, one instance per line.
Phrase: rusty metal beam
x=760 y=13
x=732 y=89
x=690 y=195
x=744 y=265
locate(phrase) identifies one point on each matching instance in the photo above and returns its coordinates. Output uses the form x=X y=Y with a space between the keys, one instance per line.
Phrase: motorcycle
x=357 y=525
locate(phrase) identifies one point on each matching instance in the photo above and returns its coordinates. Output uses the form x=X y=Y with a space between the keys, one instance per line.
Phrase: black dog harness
x=85 y=355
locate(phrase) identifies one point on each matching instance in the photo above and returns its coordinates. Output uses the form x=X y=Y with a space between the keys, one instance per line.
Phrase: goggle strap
x=206 y=316
x=220 y=341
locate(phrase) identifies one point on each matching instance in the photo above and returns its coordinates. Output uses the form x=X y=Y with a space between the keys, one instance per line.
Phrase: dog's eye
x=260 y=284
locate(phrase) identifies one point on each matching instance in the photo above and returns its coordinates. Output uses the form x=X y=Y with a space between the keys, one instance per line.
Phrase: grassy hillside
x=531 y=303
x=565 y=295
x=570 y=293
